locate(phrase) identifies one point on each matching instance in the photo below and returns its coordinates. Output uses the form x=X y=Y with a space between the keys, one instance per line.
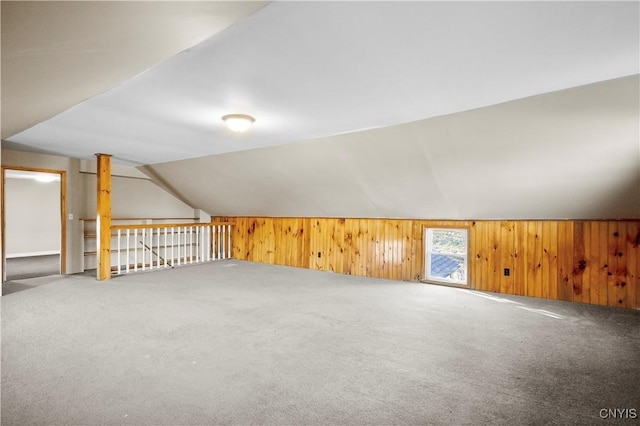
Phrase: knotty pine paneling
x=596 y=262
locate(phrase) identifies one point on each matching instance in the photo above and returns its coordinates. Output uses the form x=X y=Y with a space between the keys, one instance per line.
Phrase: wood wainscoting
x=587 y=261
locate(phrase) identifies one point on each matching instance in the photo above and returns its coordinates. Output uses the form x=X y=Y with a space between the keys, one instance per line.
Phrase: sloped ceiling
x=384 y=109
x=569 y=154
x=56 y=54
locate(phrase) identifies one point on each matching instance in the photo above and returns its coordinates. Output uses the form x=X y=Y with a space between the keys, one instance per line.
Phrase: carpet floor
x=234 y=342
x=19 y=268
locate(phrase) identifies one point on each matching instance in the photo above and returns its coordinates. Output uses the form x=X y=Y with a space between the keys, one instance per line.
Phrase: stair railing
x=159 y=246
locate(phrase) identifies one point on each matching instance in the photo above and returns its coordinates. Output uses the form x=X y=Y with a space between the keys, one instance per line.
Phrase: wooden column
x=103 y=224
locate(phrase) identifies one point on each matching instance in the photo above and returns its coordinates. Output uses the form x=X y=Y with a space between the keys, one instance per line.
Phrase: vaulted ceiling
x=60 y=53
x=383 y=109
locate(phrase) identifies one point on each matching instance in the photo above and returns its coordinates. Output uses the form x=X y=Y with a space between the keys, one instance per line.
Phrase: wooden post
x=103 y=224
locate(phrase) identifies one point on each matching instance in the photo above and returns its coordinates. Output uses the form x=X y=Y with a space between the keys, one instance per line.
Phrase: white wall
x=75 y=260
x=133 y=197
x=32 y=217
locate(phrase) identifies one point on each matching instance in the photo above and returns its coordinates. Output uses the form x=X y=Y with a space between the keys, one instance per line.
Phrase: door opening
x=33 y=225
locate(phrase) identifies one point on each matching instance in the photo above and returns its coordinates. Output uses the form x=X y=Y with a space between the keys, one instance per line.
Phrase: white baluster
x=150 y=248
x=191 y=244
x=197 y=244
x=127 y=257
x=143 y=248
x=150 y=245
x=158 y=248
x=224 y=240
x=201 y=243
x=208 y=247
x=118 y=253
x=135 y=250
x=214 y=245
x=180 y=244
x=177 y=261
x=165 y=247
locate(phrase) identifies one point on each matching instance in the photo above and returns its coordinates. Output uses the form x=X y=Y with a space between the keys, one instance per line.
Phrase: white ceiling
x=363 y=109
x=303 y=69
x=569 y=154
x=56 y=54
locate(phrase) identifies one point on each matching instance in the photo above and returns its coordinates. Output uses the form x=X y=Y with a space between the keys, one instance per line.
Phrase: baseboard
x=32 y=254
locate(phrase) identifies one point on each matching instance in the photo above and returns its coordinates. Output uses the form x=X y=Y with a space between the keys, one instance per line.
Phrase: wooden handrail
x=168 y=225
x=113 y=234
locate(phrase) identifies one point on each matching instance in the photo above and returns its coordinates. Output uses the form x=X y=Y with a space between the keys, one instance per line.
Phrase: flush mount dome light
x=46 y=178
x=238 y=122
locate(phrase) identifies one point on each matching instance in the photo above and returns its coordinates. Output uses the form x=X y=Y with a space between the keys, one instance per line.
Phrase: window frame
x=426 y=257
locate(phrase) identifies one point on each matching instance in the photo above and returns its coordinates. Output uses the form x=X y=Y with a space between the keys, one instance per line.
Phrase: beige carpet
x=241 y=343
x=19 y=268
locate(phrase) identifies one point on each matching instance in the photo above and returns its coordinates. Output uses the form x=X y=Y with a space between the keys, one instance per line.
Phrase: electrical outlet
x=70 y=216
x=506 y=272
x=319 y=255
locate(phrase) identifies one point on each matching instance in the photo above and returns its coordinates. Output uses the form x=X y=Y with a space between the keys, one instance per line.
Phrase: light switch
x=70 y=216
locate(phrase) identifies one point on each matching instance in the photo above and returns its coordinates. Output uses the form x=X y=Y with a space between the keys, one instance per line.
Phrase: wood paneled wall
x=595 y=262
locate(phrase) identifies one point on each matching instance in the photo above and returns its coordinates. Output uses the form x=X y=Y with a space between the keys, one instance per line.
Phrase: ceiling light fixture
x=238 y=122
x=37 y=176
x=46 y=178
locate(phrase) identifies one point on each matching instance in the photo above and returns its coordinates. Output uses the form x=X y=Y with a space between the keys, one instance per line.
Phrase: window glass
x=446 y=254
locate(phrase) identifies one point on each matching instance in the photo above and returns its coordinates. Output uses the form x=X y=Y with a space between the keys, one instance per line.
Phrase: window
x=446 y=255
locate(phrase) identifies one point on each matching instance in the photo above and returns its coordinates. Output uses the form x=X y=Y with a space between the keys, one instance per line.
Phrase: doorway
x=33 y=225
